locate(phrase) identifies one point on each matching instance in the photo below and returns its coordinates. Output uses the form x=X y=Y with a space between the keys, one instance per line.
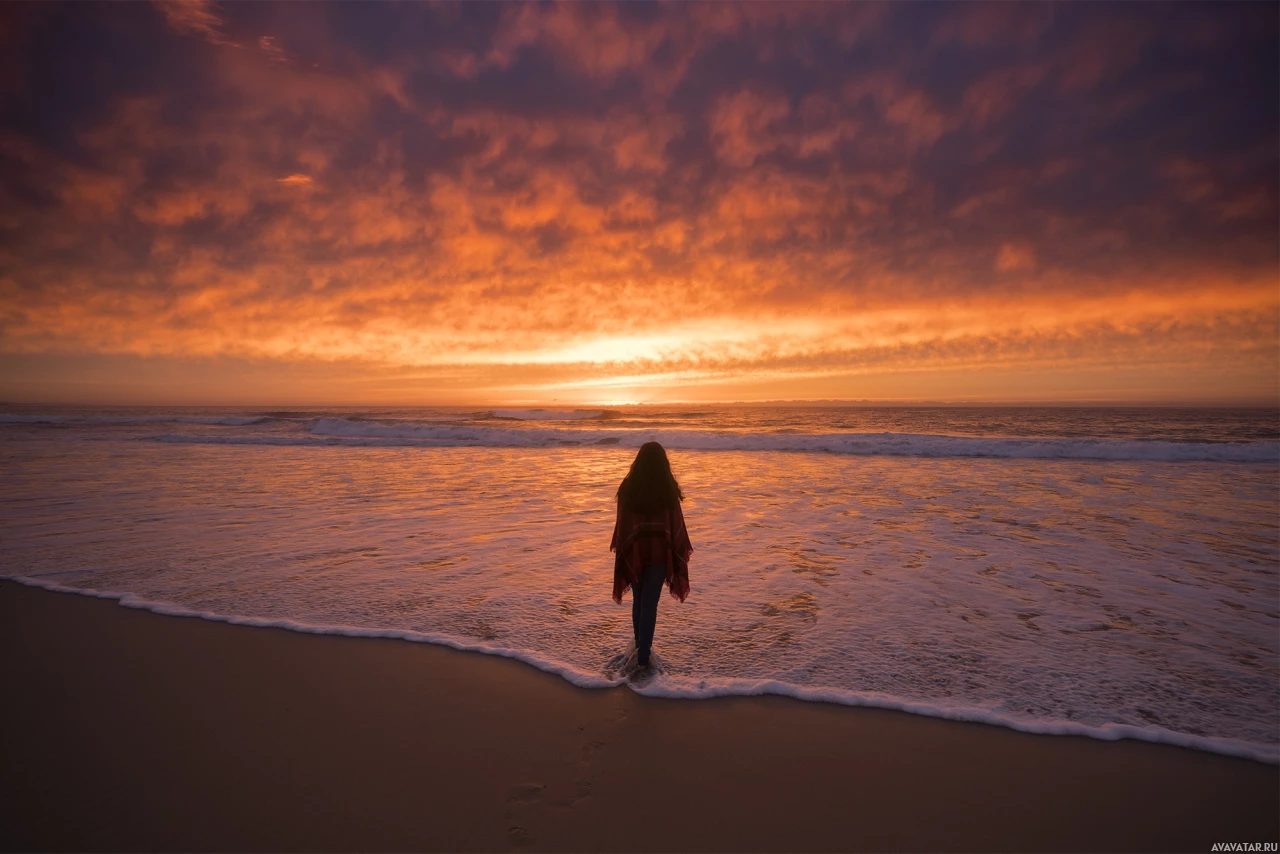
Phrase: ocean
x=1105 y=572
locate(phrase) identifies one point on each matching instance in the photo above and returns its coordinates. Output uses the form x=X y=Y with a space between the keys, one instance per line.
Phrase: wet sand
x=127 y=730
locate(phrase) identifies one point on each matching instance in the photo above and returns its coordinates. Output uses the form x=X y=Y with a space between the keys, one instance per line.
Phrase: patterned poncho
x=639 y=541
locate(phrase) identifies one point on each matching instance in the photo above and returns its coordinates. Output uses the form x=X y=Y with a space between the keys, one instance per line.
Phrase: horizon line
x=1095 y=403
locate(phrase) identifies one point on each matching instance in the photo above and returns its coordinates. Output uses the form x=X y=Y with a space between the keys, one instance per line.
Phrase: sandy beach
x=127 y=730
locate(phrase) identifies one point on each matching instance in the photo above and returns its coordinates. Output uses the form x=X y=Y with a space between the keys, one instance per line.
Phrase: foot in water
x=642 y=674
x=621 y=665
x=626 y=665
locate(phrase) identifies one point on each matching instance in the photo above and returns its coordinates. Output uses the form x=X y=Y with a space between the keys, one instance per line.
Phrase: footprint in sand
x=526 y=794
x=582 y=789
x=521 y=796
x=519 y=835
x=579 y=790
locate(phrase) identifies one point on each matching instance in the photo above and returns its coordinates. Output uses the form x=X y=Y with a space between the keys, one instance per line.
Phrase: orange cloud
x=636 y=197
x=193 y=17
x=1013 y=258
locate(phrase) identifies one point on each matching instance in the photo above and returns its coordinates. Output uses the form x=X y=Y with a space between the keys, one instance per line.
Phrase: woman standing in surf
x=650 y=542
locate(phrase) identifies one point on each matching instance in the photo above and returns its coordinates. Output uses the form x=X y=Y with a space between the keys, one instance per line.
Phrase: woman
x=650 y=541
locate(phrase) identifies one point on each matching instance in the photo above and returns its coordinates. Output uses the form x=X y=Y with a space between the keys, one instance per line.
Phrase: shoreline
x=1111 y=732
x=128 y=729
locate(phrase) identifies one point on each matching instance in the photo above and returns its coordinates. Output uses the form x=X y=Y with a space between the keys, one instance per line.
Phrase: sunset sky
x=463 y=203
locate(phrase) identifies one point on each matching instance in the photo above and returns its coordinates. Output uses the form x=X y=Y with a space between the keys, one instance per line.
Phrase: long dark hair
x=649 y=487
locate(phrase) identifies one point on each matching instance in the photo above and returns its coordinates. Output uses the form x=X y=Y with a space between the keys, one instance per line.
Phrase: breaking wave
x=371 y=433
x=225 y=420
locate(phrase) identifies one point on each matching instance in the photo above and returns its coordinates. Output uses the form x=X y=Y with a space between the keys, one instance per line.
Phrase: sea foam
x=674 y=687
x=548 y=414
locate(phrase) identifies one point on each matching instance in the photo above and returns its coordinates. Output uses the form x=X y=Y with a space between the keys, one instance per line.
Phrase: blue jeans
x=644 y=608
